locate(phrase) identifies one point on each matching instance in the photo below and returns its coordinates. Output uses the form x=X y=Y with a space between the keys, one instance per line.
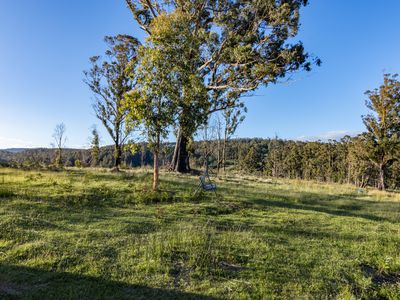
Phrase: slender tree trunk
x=117 y=155
x=219 y=157
x=156 y=172
x=381 y=184
x=59 y=157
x=142 y=155
x=348 y=174
x=224 y=145
x=176 y=149
x=224 y=154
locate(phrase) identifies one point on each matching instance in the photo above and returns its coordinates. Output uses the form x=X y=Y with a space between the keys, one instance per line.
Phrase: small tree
x=110 y=80
x=59 y=142
x=95 y=147
x=383 y=125
x=253 y=160
x=152 y=101
x=360 y=168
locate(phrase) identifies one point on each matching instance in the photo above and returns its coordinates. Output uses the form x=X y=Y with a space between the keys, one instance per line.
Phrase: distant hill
x=15 y=150
x=42 y=155
x=45 y=156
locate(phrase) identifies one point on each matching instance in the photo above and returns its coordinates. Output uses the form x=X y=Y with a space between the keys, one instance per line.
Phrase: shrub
x=78 y=163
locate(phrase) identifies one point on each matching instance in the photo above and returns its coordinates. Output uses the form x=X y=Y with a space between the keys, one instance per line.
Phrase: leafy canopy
x=109 y=79
x=382 y=139
x=235 y=45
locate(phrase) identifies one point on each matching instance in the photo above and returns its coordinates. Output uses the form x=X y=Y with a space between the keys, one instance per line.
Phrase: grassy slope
x=83 y=234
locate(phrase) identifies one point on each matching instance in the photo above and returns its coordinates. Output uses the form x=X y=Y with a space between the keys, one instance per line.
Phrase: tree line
x=333 y=161
x=370 y=158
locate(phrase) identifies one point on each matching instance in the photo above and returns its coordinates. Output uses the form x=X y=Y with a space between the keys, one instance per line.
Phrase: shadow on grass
x=347 y=205
x=17 y=282
x=351 y=210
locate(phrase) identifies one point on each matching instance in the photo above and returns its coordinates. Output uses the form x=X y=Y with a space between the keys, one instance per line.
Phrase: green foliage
x=207 y=54
x=342 y=162
x=95 y=148
x=151 y=102
x=235 y=45
x=253 y=160
x=360 y=167
x=167 y=64
x=109 y=79
x=381 y=142
x=78 y=163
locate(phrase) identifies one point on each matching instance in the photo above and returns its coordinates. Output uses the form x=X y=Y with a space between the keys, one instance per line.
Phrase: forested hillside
x=334 y=161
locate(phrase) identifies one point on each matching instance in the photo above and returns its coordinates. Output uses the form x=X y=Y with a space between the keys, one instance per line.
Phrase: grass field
x=90 y=234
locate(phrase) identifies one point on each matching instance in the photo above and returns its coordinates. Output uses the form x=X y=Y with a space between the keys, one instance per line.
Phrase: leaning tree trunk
x=180 y=160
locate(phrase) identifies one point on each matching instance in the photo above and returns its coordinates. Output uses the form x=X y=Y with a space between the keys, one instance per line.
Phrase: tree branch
x=151 y=8
x=235 y=89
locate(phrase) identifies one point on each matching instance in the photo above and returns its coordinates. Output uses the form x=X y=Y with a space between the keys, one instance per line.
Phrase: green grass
x=90 y=234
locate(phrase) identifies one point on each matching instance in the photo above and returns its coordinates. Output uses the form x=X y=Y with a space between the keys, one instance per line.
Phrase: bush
x=4 y=164
x=78 y=163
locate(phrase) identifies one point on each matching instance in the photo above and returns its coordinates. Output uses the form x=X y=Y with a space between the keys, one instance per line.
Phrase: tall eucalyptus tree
x=382 y=139
x=231 y=46
x=109 y=79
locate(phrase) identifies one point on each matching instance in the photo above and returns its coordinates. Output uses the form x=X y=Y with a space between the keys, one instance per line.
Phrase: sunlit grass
x=96 y=234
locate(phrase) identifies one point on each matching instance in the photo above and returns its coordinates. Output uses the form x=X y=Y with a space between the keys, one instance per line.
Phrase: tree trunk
x=142 y=155
x=176 y=149
x=180 y=159
x=117 y=156
x=219 y=155
x=381 y=184
x=224 y=154
x=156 y=172
x=59 y=158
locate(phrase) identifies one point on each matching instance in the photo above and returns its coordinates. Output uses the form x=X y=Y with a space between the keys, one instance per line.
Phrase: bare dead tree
x=60 y=139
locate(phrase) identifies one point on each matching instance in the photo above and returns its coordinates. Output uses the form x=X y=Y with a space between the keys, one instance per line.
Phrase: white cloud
x=326 y=136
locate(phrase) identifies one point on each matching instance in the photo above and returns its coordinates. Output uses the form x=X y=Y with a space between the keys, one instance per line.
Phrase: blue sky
x=45 y=46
